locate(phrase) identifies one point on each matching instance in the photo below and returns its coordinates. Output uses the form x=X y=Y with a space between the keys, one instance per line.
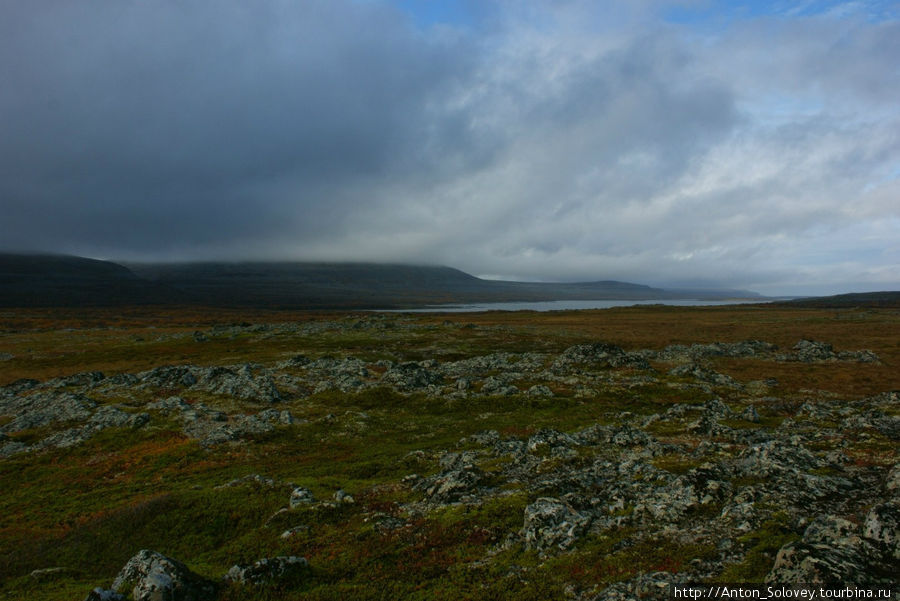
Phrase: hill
x=885 y=298
x=52 y=280
x=366 y=285
x=60 y=280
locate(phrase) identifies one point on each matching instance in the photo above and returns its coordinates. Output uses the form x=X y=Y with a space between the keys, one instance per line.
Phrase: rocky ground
x=588 y=472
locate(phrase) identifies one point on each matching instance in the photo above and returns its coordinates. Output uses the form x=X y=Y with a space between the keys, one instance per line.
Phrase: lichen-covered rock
x=45 y=408
x=168 y=377
x=499 y=386
x=267 y=571
x=551 y=524
x=882 y=526
x=830 y=552
x=654 y=586
x=411 y=376
x=539 y=390
x=599 y=354
x=151 y=576
x=750 y=414
x=301 y=496
x=892 y=481
x=776 y=457
x=450 y=486
x=812 y=351
x=12 y=447
x=170 y=405
x=704 y=374
x=243 y=383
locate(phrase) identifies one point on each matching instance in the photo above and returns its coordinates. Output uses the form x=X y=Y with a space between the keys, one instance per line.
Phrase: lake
x=570 y=305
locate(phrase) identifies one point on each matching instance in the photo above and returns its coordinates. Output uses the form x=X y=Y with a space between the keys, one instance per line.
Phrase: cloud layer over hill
x=656 y=142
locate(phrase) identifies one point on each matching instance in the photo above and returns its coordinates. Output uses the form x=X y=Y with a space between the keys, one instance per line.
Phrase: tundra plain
x=563 y=455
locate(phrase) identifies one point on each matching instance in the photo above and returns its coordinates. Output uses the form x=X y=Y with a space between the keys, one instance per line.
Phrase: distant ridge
x=886 y=298
x=56 y=280
x=35 y=280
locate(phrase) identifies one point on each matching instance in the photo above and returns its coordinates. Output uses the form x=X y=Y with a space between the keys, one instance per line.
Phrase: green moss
x=763 y=544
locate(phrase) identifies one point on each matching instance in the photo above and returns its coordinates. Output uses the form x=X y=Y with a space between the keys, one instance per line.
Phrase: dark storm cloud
x=194 y=123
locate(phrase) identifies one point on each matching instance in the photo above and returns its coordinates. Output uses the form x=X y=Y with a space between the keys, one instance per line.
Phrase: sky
x=749 y=144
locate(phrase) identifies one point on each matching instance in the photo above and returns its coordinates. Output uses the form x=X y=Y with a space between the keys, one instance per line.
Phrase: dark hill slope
x=312 y=285
x=58 y=280
x=48 y=280
x=365 y=285
x=856 y=299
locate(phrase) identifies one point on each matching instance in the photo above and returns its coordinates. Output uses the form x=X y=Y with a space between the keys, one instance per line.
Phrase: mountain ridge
x=63 y=280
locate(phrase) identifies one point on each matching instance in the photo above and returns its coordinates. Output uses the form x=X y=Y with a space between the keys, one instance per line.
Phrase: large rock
x=241 y=383
x=882 y=526
x=169 y=377
x=830 y=552
x=599 y=354
x=411 y=376
x=552 y=524
x=301 y=496
x=44 y=409
x=152 y=576
x=452 y=485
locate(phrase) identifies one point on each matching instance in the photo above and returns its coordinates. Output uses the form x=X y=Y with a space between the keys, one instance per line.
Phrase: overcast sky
x=667 y=143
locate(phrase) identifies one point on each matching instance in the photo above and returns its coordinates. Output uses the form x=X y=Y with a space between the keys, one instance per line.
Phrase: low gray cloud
x=557 y=141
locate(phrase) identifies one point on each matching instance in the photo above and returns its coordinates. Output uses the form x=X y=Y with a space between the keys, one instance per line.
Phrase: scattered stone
x=343 y=498
x=539 y=390
x=267 y=571
x=750 y=414
x=411 y=376
x=51 y=573
x=301 y=496
x=812 y=351
x=99 y=594
x=704 y=374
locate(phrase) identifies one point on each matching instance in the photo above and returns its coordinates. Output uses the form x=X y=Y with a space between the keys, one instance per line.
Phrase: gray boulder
x=882 y=526
x=410 y=376
x=540 y=390
x=830 y=552
x=241 y=383
x=599 y=354
x=168 y=376
x=452 y=485
x=301 y=496
x=552 y=524
x=152 y=576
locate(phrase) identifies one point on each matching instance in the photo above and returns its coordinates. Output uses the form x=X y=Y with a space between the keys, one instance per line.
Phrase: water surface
x=572 y=305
